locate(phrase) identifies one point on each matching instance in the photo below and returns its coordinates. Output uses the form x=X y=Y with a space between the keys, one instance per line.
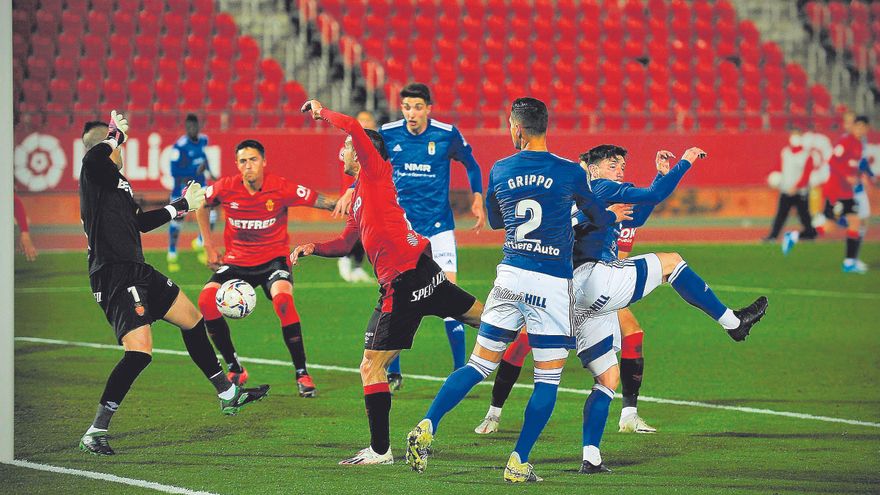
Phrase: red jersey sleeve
x=341 y=245
x=298 y=195
x=19 y=213
x=214 y=192
x=372 y=164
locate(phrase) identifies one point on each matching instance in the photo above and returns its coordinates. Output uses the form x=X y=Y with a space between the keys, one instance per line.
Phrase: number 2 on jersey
x=523 y=207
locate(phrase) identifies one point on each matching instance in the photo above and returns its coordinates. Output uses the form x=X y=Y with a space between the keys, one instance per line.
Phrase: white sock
x=92 y=429
x=230 y=393
x=494 y=411
x=591 y=455
x=627 y=411
x=795 y=235
x=729 y=320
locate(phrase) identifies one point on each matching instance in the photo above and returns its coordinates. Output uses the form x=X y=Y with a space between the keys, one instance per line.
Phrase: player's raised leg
x=693 y=289
x=632 y=366
x=291 y=329
x=508 y=373
x=192 y=327
x=218 y=330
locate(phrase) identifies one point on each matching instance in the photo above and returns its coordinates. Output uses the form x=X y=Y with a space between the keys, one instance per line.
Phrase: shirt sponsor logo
x=529 y=180
x=125 y=186
x=280 y=274
x=536 y=301
x=357 y=205
x=627 y=233
x=97 y=296
x=251 y=224
x=416 y=167
x=532 y=247
x=503 y=294
x=425 y=292
x=233 y=205
x=432 y=148
x=270 y=205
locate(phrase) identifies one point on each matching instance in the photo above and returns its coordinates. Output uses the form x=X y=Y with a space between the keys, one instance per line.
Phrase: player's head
x=349 y=156
x=860 y=126
x=96 y=131
x=415 y=103
x=367 y=119
x=528 y=118
x=847 y=120
x=250 y=158
x=192 y=127
x=606 y=161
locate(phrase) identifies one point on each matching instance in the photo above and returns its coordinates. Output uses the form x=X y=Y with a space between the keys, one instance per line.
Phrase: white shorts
x=443 y=250
x=604 y=287
x=539 y=301
x=863 y=206
x=598 y=342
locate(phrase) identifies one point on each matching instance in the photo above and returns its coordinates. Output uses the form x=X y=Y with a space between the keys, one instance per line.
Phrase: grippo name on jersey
x=529 y=180
x=416 y=167
x=251 y=224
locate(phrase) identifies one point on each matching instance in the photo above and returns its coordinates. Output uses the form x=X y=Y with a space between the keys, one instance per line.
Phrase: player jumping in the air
x=420 y=150
x=255 y=206
x=530 y=195
x=604 y=284
x=188 y=163
x=627 y=331
x=412 y=285
x=839 y=196
x=130 y=292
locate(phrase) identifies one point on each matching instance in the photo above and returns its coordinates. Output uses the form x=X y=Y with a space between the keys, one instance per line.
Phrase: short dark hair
x=191 y=117
x=92 y=124
x=416 y=90
x=251 y=143
x=378 y=142
x=602 y=152
x=863 y=119
x=531 y=114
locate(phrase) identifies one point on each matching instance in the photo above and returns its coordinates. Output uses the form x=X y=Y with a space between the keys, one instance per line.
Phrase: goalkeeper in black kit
x=131 y=293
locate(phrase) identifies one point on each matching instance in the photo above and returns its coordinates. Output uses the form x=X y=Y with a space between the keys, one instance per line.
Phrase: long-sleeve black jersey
x=108 y=211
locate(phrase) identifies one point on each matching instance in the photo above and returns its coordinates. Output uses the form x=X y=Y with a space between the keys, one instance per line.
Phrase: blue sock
x=394 y=367
x=538 y=412
x=695 y=291
x=454 y=389
x=455 y=334
x=595 y=415
x=173 y=233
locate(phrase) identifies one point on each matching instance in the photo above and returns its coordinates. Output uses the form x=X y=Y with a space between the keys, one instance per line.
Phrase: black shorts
x=132 y=295
x=414 y=294
x=261 y=275
x=840 y=208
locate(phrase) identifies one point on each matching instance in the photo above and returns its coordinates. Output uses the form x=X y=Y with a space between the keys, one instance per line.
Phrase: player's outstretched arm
x=479 y=211
x=193 y=198
x=203 y=218
x=333 y=248
x=496 y=219
x=324 y=203
x=368 y=157
x=97 y=164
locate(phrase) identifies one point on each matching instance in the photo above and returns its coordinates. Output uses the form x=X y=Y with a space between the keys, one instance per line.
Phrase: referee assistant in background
x=130 y=292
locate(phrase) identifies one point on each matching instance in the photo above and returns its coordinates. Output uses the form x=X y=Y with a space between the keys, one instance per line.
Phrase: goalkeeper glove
x=118 y=128
x=193 y=198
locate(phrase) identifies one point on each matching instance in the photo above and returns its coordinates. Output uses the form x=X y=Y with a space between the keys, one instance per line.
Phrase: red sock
x=518 y=350
x=631 y=347
x=208 y=304
x=820 y=230
x=852 y=234
x=285 y=309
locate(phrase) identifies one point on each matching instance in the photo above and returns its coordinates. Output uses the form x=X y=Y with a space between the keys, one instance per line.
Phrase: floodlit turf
x=814 y=353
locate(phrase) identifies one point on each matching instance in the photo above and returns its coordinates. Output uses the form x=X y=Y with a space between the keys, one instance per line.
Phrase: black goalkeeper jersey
x=108 y=211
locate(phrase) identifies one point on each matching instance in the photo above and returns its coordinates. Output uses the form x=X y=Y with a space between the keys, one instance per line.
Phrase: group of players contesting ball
x=564 y=281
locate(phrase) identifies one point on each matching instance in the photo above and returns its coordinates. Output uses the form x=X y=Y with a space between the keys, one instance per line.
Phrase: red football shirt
x=844 y=163
x=256 y=224
x=389 y=240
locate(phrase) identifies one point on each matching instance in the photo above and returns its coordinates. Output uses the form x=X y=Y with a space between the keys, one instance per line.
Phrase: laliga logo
x=39 y=162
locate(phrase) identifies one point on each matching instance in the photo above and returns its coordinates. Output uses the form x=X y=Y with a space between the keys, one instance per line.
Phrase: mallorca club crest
x=270 y=205
x=431 y=148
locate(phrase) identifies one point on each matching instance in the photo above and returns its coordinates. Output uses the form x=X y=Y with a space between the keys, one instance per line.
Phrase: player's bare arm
x=479 y=211
x=301 y=250
x=324 y=203
x=693 y=154
x=622 y=211
x=343 y=204
x=314 y=107
x=203 y=218
x=663 y=160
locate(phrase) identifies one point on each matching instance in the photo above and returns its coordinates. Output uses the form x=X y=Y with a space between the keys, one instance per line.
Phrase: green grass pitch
x=816 y=352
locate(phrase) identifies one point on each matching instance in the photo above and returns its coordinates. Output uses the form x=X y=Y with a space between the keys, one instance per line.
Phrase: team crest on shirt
x=233 y=205
x=431 y=148
x=270 y=205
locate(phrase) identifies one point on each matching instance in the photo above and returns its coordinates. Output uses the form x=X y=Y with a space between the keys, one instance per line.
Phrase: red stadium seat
x=220 y=69
x=248 y=49
x=192 y=93
x=294 y=93
x=271 y=71
x=147 y=45
x=149 y=23
x=143 y=68
x=223 y=47
x=121 y=49
x=242 y=116
x=226 y=27
x=201 y=25
x=270 y=94
x=61 y=92
x=197 y=47
x=95 y=46
x=169 y=69
x=172 y=45
x=218 y=95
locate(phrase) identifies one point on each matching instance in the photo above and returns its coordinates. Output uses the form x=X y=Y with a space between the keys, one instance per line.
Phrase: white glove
x=118 y=127
x=194 y=195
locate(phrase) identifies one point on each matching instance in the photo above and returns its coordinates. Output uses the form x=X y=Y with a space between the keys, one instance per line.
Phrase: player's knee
x=208 y=303
x=669 y=261
x=550 y=376
x=472 y=317
x=610 y=378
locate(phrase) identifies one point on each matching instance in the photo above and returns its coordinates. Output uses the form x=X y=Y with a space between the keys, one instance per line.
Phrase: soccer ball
x=236 y=299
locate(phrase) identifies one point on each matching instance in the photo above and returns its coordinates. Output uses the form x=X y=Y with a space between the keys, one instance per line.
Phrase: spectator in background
x=793 y=183
x=25 y=244
x=188 y=163
x=351 y=267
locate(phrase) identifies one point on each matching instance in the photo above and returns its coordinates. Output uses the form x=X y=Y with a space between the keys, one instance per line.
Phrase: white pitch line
x=345 y=285
x=658 y=400
x=159 y=487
